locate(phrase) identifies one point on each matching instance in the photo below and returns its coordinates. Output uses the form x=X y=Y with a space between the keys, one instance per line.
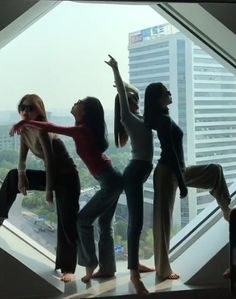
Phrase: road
x=45 y=238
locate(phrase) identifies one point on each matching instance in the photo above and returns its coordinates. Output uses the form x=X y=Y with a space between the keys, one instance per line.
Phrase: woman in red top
x=89 y=134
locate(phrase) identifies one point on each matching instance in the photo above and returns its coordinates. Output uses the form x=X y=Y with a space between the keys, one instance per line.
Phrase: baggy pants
x=101 y=206
x=209 y=177
x=67 y=191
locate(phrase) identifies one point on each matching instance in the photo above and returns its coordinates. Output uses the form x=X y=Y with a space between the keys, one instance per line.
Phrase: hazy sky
x=61 y=56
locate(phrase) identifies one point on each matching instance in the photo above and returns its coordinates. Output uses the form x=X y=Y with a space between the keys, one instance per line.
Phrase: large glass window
x=151 y=47
x=148 y=64
x=149 y=55
x=61 y=58
x=151 y=71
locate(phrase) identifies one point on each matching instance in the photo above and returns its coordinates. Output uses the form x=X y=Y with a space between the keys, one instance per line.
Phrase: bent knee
x=12 y=174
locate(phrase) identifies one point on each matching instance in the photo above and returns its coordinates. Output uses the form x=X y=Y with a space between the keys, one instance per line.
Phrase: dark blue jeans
x=101 y=206
x=135 y=175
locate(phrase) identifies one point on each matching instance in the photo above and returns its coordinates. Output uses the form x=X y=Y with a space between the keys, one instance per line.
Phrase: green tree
x=8 y=155
x=175 y=229
x=120 y=228
x=147 y=244
x=37 y=204
x=3 y=173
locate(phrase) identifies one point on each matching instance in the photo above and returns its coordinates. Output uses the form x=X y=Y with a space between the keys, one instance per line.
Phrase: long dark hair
x=152 y=108
x=94 y=120
x=121 y=136
x=38 y=104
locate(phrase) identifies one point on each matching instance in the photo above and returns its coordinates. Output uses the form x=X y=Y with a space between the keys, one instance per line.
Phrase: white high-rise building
x=204 y=103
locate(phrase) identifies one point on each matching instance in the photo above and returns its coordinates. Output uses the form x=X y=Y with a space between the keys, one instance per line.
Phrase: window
x=62 y=59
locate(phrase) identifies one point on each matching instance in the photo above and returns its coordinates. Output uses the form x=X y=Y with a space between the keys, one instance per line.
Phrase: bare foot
x=89 y=273
x=144 y=269
x=172 y=276
x=137 y=283
x=227 y=274
x=68 y=277
x=100 y=274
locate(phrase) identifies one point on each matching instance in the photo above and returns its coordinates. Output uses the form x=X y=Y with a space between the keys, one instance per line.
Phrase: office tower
x=204 y=104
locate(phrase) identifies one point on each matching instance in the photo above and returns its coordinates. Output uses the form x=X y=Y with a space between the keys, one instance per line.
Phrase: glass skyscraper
x=204 y=104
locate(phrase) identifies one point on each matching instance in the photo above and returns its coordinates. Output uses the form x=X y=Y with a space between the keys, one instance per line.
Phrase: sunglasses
x=28 y=108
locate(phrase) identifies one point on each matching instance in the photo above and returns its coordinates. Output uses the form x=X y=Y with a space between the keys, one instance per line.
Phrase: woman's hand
x=16 y=128
x=23 y=183
x=112 y=62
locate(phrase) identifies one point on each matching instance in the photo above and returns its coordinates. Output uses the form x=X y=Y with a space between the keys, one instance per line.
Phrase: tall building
x=204 y=103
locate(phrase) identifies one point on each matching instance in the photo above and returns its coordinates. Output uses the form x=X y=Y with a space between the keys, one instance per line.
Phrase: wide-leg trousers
x=209 y=177
x=67 y=191
x=101 y=206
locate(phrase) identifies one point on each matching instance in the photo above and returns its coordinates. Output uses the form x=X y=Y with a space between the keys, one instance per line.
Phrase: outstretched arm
x=125 y=110
x=47 y=126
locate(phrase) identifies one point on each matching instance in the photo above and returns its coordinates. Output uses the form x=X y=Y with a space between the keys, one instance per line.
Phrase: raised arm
x=47 y=126
x=124 y=104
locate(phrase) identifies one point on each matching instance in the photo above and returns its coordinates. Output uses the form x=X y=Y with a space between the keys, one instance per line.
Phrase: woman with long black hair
x=171 y=173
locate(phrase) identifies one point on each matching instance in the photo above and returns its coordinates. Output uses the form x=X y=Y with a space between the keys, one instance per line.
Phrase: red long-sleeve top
x=86 y=148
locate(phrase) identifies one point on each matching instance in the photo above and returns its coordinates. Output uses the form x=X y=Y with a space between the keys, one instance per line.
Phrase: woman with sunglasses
x=129 y=124
x=60 y=175
x=171 y=173
x=90 y=137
